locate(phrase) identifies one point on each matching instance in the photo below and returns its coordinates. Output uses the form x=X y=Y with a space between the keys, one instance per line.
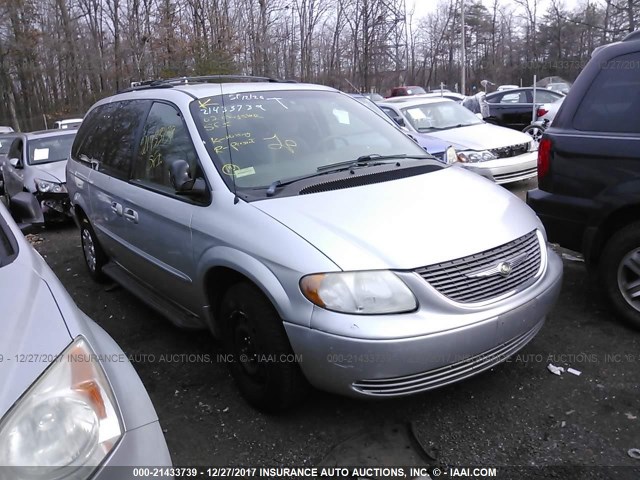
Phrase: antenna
x=226 y=128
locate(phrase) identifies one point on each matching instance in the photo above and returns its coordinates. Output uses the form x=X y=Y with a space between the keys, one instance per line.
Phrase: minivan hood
x=52 y=172
x=38 y=331
x=407 y=223
x=482 y=136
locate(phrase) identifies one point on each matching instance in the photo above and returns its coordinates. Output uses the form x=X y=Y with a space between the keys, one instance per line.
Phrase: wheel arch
x=226 y=266
x=612 y=223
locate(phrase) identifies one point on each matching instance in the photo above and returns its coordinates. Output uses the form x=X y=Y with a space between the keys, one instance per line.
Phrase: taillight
x=541 y=112
x=544 y=158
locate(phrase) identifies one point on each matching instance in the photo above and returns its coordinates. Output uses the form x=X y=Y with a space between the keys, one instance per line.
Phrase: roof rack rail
x=171 y=82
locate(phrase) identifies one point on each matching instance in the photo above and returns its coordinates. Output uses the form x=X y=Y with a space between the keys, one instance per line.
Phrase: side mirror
x=15 y=162
x=183 y=184
x=180 y=176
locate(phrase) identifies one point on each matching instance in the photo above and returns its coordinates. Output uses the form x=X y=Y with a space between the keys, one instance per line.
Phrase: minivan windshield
x=265 y=137
x=429 y=117
x=50 y=149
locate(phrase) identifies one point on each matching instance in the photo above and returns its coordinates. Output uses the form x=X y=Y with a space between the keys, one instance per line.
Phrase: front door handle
x=131 y=215
x=117 y=208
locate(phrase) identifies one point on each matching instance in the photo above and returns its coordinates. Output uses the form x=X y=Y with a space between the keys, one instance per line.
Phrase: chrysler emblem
x=504 y=268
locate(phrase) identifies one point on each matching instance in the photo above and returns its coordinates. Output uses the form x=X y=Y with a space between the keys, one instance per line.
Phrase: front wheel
x=620 y=273
x=263 y=364
x=94 y=256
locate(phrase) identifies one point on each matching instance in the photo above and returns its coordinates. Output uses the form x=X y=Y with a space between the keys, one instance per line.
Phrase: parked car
x=559 y=87
x=442 y=151
x=5 y=142
x=404 y=91
x=502 y=88
x=514 y=108
x=71 y=123
x=4 y=129
x=544 y=116
x=36 y=163
x=589 y=173
x=375 y=97
x=71 y=404
x=502 y=154
x=308 y=234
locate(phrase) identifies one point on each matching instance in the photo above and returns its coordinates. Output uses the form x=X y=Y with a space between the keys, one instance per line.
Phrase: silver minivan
x=316 y=240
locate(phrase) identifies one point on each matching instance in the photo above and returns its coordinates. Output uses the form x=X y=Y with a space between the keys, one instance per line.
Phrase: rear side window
x=165 y=139
x=109 y=136
x=612 y=102
x=545 y=96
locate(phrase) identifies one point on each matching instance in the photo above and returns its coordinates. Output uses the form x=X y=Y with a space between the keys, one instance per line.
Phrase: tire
x=94 y=256
x=619 y=268
x=252 y=329
x=535 y=132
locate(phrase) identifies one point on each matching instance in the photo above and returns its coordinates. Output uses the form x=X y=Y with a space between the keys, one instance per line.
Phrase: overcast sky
x=425 y=6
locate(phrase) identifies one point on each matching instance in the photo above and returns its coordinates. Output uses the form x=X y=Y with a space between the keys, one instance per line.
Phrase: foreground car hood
x=52 y=172
x=407 y=223
x=482 y=136
x=34 y=332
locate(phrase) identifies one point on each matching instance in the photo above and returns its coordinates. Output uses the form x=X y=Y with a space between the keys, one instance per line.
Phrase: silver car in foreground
x=317 y=240
x=71 y=404
x=496 y=152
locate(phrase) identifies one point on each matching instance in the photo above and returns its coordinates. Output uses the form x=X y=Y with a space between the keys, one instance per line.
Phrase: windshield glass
x=439 y=116
x=50 y=149
x=263 y=137
x=5 y=143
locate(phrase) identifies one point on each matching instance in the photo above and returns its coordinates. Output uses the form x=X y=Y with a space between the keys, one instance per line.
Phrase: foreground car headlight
x=370 y=292
x=472 y=156
x=45 y=186
x=451 y=156
x=67 y=420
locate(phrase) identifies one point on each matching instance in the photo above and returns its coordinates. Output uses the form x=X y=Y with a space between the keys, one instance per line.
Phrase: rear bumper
x=564 y=218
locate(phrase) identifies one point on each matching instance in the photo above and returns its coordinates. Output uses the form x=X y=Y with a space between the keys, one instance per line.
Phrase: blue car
x=439 y=149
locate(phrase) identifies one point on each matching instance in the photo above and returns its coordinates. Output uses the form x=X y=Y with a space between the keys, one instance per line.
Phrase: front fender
x=288 y=301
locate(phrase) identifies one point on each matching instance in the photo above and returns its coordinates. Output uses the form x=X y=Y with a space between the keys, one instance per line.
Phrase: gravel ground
x=515 y=414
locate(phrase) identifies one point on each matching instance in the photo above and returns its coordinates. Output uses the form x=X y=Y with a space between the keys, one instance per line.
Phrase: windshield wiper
x=365 y=160
x=336 y=167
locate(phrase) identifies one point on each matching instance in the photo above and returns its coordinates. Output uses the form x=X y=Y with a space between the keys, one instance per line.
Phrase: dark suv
x=588 y=194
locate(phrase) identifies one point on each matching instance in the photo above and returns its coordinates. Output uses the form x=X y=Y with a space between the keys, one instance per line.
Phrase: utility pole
x=463 y=82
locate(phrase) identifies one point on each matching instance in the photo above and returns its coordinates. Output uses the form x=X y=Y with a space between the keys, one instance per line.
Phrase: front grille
x=438 y=377
x=511 y=150
x=470 y=280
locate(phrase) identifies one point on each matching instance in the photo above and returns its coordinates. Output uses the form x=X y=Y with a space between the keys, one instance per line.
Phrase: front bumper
x=473 y=340
x=142 y=447
x=55 y=206
x=512 y=169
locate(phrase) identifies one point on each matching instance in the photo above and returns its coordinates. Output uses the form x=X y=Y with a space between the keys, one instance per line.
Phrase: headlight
x=472 y=156
x=371 y=292
x=67 y=420
x=45 y=186
x=451 y=156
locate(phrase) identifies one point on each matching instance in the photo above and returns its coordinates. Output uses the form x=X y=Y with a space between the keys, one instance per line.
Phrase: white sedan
x=503 y=154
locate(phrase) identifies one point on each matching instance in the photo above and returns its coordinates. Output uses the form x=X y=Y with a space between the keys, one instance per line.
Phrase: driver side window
x=164 y=140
